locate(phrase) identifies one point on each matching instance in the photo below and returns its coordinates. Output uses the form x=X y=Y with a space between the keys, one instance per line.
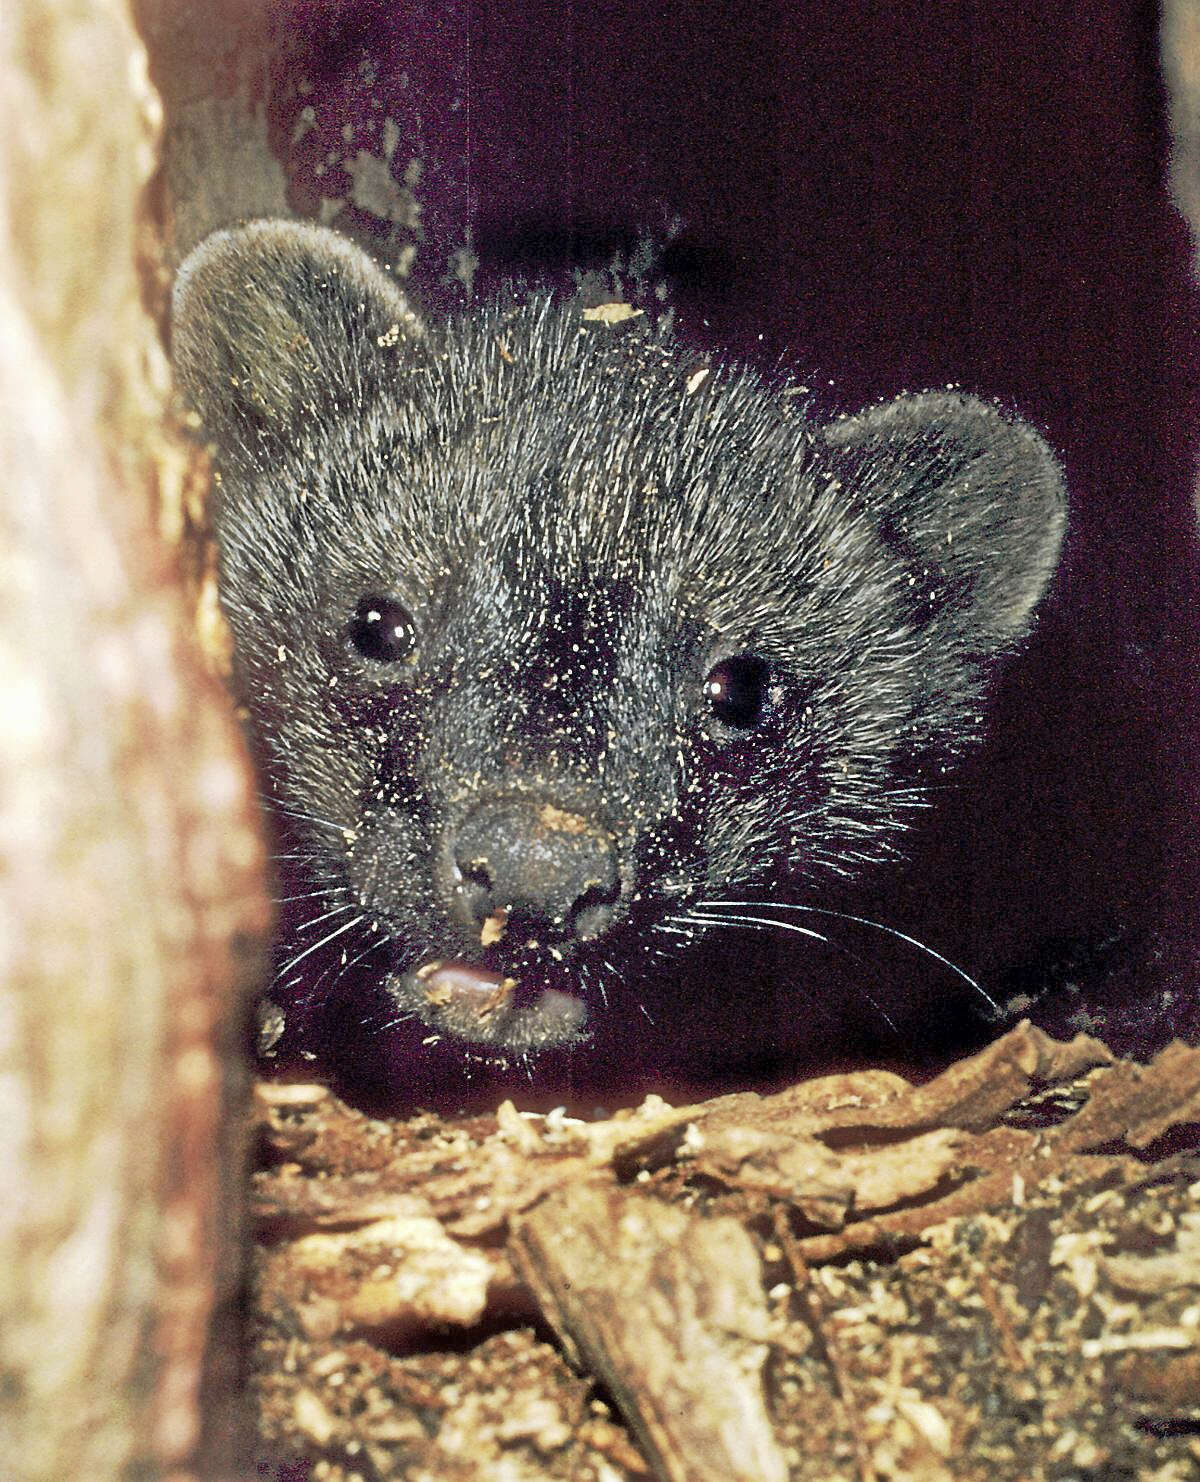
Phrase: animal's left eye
x=381 y=629
x=737 y=690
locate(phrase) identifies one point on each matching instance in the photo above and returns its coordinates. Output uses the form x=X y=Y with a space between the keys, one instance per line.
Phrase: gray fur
x=579 y=535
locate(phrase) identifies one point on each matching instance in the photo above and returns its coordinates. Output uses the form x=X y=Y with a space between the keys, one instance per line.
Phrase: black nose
x=552 y=873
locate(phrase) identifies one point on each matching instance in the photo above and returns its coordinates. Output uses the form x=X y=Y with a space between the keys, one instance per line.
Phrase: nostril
x=592 y=913
x=474 y=888
x=475 y=872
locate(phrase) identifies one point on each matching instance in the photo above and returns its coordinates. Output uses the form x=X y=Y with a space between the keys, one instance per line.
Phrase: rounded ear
x=277 y=322
x=972 y=499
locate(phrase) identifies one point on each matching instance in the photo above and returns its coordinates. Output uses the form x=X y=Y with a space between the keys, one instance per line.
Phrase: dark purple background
x=892 y=196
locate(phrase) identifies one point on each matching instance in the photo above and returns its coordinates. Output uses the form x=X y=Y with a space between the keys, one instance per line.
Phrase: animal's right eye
x=382 y=630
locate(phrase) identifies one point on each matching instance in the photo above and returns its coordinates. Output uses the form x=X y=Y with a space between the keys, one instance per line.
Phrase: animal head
x=545 y=637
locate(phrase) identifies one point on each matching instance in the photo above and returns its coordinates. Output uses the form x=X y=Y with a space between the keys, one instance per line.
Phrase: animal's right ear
x=277 y=324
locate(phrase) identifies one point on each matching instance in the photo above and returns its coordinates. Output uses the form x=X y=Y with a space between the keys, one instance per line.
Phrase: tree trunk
x=129 y=860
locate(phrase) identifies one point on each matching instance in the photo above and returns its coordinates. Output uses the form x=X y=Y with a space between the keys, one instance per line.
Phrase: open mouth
x=490 y=1006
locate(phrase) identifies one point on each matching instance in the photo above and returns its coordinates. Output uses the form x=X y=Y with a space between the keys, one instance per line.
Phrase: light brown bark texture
x=852 y=1277
x=668 y=1309
x=128 y=856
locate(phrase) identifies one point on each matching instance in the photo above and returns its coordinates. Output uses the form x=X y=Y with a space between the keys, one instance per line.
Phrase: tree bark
x=129 y=861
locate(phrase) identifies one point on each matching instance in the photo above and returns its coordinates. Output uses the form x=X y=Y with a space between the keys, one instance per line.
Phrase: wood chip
x=612 y=313
x=989 y=1233
x=667 y=1309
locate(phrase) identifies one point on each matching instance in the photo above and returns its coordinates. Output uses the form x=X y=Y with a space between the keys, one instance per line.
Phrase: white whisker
x=760 y=921
x=354 y=921
x=328 y=916
x=766 y=923
x=719 y=908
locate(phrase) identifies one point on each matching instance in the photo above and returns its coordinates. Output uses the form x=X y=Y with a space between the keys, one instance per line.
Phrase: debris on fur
x=854 y=1277
x=568 y=661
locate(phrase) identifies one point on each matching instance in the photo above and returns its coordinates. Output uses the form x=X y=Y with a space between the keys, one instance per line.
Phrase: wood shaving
x=988 y=1276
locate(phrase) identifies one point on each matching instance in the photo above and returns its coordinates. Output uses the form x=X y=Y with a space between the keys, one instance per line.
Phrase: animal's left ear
x=972 y=499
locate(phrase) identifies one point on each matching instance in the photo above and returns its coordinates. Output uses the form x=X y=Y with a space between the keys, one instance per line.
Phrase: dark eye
x=737 y=690
x=382 y=630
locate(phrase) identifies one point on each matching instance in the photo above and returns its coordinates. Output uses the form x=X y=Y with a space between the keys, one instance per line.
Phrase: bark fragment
x=854 y=1276
x=668 y=1310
